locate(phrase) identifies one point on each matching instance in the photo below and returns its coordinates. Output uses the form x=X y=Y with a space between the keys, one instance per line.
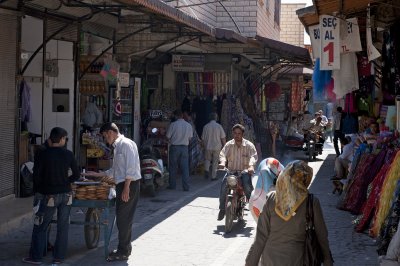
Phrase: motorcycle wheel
x=92 y=231
x=229 y=216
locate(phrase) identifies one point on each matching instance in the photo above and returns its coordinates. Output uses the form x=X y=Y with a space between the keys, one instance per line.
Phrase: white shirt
x=347 y=153
x=126 y=162
x=239 y=157
x=180 y=132
x=212 y=135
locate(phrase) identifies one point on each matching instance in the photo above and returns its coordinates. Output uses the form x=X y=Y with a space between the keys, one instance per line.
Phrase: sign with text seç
x=330 y=42
x=188 y=63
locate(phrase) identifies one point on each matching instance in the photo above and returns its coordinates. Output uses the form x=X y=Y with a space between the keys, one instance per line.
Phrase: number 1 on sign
x=329 y=48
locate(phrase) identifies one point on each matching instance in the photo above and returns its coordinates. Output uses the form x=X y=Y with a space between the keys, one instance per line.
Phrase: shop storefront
x=364 y=80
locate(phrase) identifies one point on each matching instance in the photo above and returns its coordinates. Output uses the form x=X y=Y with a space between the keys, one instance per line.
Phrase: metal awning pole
x=43 y=74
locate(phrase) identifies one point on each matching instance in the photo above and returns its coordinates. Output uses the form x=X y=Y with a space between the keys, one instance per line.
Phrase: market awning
x=310 y=15
x=288 y=52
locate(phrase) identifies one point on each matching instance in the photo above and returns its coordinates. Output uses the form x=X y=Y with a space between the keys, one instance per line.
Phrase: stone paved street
x=180 y=228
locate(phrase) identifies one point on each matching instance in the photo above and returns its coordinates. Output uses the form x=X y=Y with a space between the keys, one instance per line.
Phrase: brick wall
x=251 y=16
x=265 y=18
x=292 y=31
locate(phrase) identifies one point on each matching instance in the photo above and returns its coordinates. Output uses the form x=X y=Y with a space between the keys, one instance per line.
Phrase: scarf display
x=291 y=188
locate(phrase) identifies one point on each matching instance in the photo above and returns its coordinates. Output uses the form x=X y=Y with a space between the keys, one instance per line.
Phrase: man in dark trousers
x=126 y=173
x=52 y=186
x=337 y=129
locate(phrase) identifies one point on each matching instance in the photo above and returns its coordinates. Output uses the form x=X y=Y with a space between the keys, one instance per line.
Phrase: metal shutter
x=8 y=44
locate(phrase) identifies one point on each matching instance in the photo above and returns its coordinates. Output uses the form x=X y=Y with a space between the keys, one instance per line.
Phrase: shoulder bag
x=312 y=251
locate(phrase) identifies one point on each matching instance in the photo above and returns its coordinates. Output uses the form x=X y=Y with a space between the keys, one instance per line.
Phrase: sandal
x=117 y=256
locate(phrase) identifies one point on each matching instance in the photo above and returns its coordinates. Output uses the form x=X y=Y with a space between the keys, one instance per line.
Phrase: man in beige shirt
x=238 y=154
x=213 y=138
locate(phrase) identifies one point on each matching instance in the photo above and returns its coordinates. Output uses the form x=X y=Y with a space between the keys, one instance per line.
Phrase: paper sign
x=123 y=79
x=315 y=38
x=350 y=41
x=330 y=42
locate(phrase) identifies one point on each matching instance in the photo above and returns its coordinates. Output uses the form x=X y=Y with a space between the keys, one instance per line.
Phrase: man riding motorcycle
x=315 y=132
x=238 y=155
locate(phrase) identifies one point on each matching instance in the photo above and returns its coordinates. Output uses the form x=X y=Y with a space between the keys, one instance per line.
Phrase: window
x=277 y=14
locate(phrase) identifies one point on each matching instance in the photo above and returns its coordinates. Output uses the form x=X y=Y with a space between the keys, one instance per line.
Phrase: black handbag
x=312 y=250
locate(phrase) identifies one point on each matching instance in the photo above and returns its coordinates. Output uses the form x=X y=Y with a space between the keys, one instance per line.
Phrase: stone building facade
x=247 y=17
x=292 y=31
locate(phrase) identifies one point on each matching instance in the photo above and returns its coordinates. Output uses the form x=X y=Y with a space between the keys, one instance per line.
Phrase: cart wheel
x=92 y=231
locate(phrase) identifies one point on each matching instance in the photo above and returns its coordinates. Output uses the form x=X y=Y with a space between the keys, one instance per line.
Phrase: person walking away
x=281 y=227
x=126 y=173
x=52 y=187
x=179 y=134
x=240 y=155
x=337 y=129
x=213 y=139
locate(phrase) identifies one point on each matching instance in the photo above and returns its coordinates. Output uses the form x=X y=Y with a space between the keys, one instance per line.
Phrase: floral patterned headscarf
x=291 y=188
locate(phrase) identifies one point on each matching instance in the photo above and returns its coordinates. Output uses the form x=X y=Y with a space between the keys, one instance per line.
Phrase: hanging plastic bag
x=266 y=174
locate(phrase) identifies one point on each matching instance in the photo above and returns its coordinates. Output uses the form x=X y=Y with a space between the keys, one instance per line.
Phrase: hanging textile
x=25 y=92
x=390 y=226
x=369 y=208
x=386 y=195
x=391 y=63
x=346 y=79
x=320 y=79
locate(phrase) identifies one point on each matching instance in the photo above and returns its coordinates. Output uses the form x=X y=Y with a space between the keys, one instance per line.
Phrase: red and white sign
x=330 y=42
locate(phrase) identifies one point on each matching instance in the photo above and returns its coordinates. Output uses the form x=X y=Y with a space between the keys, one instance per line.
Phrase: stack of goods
x=93 y=190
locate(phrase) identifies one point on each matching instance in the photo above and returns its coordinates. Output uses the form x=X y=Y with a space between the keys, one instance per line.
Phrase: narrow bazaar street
x=180 y=228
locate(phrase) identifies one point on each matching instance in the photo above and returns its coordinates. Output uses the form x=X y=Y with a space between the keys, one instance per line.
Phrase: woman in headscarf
x=281 y=227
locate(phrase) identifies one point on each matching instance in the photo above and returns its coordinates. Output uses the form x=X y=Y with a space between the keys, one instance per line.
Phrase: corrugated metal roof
x=310 y=15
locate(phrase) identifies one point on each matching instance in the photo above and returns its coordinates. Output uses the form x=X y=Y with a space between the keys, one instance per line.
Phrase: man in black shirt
x=53 y=190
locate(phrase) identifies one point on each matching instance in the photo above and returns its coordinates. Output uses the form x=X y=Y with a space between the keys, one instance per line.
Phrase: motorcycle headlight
x=231 y=180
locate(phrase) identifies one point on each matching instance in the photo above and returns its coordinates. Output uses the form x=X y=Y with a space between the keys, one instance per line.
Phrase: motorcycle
x=313 y=144
x=151 y=166
x=235 y=200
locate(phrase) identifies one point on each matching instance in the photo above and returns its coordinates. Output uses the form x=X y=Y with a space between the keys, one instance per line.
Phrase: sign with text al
x=330 y=42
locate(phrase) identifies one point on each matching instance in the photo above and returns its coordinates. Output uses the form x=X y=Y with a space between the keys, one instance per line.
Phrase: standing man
x=238 y=154
x=179 y=134
x=213 y=139
x=52 y=187
x=337 y=129
x=126 y=173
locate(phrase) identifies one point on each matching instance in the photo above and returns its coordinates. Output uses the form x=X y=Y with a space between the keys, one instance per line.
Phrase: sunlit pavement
x=180 y=228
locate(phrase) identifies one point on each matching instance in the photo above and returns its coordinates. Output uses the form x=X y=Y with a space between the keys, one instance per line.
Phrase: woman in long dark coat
x=281 y=227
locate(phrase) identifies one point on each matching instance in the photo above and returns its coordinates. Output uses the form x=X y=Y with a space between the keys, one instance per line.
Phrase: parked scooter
x=235 y=200
x=151 y=166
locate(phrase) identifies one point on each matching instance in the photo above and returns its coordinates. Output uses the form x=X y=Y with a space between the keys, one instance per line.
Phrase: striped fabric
x=240 y=157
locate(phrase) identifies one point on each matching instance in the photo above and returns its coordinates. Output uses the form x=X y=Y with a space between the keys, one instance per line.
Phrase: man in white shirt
x=213 y=138
x=126 y=173
x=343 y=161
x=179 y=134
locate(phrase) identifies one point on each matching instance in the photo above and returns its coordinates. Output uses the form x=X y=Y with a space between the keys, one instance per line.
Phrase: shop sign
x=315 y=40
x=155 y=113
x=136 y=110
x=330 y=42
x=188 y=63
x=350 y=42
x=123 y=79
